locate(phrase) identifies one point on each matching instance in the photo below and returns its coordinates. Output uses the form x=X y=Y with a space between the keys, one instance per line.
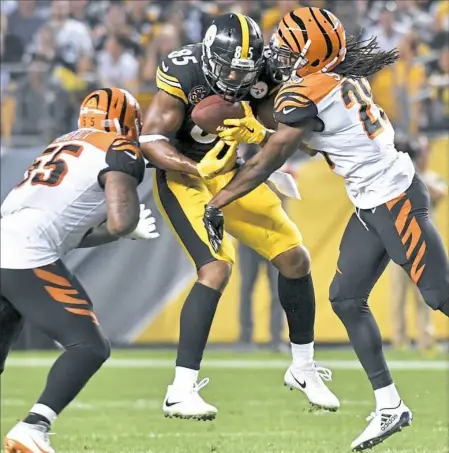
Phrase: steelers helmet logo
x=211 y=34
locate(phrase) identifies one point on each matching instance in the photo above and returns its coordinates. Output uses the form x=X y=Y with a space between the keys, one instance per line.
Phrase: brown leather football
x=210 y=113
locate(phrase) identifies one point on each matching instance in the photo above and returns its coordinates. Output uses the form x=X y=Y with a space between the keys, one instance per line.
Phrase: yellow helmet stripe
x=245 y=34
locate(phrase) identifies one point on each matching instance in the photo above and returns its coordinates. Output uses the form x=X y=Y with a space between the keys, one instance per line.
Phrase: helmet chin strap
x=117 y=126
x=302 y=60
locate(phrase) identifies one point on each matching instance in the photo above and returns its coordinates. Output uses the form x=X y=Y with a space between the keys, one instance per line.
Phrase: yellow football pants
x=257 y=219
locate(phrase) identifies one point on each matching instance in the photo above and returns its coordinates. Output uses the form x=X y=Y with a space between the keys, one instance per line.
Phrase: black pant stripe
x=194 y=245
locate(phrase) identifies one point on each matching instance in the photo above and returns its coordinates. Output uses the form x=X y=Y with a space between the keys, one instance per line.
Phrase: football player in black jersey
x=229 y=62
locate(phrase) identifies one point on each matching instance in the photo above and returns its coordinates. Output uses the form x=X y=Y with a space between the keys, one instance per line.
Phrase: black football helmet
x=232 y=55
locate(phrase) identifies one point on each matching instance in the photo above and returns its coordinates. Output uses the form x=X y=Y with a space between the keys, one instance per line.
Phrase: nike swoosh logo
x=286 y=111
x=168 y=404
x=40 y=449
x=133 y=156
x=251 y=130
x=164 y=67
x=303 y=385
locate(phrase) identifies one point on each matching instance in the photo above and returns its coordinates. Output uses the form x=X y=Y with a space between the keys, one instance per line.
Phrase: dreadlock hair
x=364 y=58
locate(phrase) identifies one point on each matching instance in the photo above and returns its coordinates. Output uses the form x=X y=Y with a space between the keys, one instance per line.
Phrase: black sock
x=365 y=338
x=298 y=301
x=34 y=419
x=196 y=320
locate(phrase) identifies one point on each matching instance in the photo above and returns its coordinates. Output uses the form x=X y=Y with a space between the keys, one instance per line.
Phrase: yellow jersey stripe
x=176 y=92
x=245 y=34
x=168 y=77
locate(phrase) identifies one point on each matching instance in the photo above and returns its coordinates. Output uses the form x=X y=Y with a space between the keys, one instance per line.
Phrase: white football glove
x=146 y=228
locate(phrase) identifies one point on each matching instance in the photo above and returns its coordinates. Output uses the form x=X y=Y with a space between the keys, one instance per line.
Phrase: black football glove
x=214 y=222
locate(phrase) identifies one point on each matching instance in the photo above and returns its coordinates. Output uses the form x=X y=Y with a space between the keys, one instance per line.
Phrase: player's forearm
x=255 y=171
x=97 y=236
x=281 y=145
x=122 y=203
x=166 y=157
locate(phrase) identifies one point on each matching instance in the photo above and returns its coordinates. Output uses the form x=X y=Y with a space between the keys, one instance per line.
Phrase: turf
x=120 y=410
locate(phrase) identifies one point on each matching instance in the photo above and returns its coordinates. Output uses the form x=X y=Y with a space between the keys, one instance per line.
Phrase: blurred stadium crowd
x=53 y=52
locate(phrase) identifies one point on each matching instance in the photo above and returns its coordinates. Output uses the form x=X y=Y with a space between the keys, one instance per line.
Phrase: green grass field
x=120 y=409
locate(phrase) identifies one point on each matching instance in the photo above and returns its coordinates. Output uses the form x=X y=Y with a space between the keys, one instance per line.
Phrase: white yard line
x=32 y=362
x=145 y=404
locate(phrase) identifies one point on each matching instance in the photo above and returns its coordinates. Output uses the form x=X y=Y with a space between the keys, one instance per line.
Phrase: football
x=210 y=113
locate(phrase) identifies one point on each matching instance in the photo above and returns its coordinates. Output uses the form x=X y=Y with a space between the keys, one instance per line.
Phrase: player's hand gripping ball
x=245 y=130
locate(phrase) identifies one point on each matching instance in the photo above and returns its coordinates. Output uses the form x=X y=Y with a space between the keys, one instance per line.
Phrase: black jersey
x=180 y=75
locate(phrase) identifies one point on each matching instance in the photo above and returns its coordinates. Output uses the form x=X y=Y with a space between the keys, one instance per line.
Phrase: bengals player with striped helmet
x=325 y=105
x=80 y=192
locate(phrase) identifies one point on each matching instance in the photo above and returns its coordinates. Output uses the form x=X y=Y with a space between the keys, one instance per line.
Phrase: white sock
x=45 y=411
x=303 y=355
x=387 y=397
x=185 y=377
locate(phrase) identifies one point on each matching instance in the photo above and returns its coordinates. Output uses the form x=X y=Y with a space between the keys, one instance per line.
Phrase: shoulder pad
x=317 y=86
x=176 y=72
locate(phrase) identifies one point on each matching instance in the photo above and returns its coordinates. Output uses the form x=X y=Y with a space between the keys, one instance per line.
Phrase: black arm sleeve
x=124 y=156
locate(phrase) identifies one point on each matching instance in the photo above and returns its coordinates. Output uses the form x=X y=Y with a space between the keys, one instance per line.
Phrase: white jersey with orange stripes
x=353 y=134
x=61 y=198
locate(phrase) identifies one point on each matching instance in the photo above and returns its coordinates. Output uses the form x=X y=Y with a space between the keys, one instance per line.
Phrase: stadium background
x=54 y=52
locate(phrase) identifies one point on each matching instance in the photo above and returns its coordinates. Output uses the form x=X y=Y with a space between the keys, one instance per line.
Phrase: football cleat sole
x=198 y=418
x=312 y=406
x=14 y=446
x=404 y=421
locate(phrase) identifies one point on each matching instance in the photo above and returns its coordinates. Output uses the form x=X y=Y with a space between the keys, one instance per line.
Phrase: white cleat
x=383 y=424
x=310 y=382
x=27 y=438
x=187 y=403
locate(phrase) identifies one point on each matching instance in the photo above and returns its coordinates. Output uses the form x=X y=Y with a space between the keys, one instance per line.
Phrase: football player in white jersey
x=326 y=103
x=80 y=192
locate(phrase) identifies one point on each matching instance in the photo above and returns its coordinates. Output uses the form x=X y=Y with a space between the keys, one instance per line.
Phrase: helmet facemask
x=283 y=63
x=230 y=78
